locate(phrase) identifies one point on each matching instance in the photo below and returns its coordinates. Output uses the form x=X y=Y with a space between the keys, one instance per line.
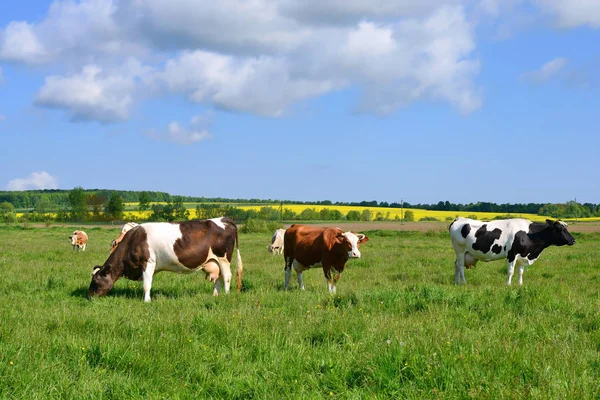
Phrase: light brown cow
x=308 y=247
x=126 y=228
x=78 y=240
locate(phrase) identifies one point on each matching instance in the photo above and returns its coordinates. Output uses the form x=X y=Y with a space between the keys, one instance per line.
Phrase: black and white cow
x=183 y=247
x=518 y=240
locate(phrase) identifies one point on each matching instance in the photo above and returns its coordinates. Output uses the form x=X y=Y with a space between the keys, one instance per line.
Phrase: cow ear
x=362 y=238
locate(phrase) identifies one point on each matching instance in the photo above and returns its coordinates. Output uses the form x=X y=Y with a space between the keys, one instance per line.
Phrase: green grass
x=398 y=328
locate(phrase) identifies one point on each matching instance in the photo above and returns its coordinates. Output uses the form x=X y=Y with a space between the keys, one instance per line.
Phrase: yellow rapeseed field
x=132 y=214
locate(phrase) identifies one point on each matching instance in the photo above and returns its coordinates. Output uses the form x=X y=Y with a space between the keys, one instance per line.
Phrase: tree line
x=80 y=204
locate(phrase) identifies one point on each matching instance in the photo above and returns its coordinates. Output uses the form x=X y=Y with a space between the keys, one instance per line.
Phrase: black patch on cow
x=496 y=249
x=504 y=247
x=465 y=230
x=485 y=239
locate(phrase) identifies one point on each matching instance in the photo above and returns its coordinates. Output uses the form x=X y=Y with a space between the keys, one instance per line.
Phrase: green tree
x=144 y=199
x=409 y=215
x=77 y=200
x=353 y=215
x=180 y=213
x=97 y=202
x=7 y=212
x=309 y=214
x=115 y=207
x=366 y=215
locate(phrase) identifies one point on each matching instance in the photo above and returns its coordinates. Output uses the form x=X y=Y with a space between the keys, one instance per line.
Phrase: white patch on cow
x=95 y=271
x=276 y=246
x=353 y=239
x=218 y=222
x=563 y=223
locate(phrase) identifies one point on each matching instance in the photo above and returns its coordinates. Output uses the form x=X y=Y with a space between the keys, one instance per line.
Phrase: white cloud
x=573 y=13
x=93 y=94
x=196 y=131
x=256 y=56
x=262 y=85
x=546 y=71
x=37 y=180
x=19 y=42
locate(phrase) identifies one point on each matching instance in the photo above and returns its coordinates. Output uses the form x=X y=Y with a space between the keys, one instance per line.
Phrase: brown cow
x=308 y=247
x=78 y=240
x=183 y=247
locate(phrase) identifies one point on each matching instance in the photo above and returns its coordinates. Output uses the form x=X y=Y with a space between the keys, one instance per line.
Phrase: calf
x=78 y=240
x=126 y=228
x=308 y=247
x=518 y=240
x=276 y=246
x=183 y=247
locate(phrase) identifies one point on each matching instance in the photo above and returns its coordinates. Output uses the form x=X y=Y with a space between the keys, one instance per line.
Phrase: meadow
x=398 y=327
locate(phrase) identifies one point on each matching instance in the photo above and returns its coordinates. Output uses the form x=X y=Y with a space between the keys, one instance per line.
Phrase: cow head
x=559 y=235
x=102 y=281
x=73 y=239
x=349 y=242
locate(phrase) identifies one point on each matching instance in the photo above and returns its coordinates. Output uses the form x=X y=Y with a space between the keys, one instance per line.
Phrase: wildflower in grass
x=331 y=394
x=11 y=363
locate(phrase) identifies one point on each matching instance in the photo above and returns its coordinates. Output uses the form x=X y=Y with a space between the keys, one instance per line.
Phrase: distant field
x=398 y=328
x=393 y=212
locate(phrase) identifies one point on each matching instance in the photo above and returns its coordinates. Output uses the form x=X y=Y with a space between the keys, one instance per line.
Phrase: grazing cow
x=518 y=240
x=183 y=247
x=276 y=246
x=78 y=240
x=308 y=247
x=126 y=228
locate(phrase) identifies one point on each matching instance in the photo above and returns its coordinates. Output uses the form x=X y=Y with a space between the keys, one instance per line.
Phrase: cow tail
x=239 y=271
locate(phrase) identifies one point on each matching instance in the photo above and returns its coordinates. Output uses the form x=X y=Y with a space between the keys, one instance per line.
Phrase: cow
x=78 y=240
x=183 y=247
x=276 y=246
x=126 y=228
x=520 y=241
x=308 y=247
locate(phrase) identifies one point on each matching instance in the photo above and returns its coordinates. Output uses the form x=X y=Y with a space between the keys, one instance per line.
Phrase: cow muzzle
x=354 y=254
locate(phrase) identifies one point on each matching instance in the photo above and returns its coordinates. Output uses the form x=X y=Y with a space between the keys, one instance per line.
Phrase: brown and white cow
x=78 y=240
x=308 y=247
x=183 y=247
x=126 y=228
x=276 y=246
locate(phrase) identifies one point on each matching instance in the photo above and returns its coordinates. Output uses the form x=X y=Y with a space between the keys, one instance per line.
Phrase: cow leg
x=459 y=268
x=147 y=276
x=299 y=268
x=511 y=270
x=288 y=272
x=330 y=284
x=83 y=248
x=521 y=270
x=336 y=278
x=218 y=285
x=225 y=268
x=74 y=247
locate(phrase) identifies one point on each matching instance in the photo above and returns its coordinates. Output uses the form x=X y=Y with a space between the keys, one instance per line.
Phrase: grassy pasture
x=398 y=328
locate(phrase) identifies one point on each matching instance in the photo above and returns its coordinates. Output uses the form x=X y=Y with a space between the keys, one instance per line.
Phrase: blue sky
x=421 y=100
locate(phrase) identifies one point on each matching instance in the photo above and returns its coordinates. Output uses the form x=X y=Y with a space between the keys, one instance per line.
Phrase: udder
x=470 y=261
x=212 y=271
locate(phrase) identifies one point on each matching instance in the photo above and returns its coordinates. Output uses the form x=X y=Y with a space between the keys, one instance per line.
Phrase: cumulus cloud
x=573 y=13
x=546 y=71
x=37 y=180
x=196 y=131
x=259 y=56
x=93 y=94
